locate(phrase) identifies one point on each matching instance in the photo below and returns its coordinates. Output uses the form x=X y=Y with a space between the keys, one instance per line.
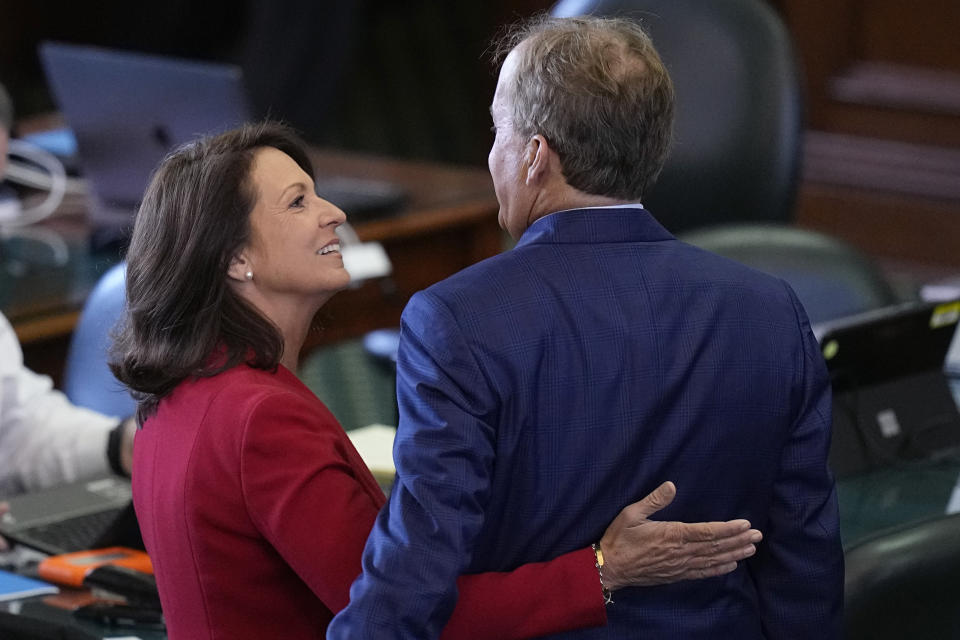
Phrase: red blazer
x=255 y=508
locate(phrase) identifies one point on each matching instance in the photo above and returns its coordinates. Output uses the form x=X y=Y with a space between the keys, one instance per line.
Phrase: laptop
x=892 y=400
x=128 y=110
x=88 y=514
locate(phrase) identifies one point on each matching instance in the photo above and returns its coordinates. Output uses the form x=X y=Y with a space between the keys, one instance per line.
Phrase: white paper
x=375 y=444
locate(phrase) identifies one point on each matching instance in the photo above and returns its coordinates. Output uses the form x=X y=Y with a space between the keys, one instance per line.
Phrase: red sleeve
x=309 y=495
x=533 y=600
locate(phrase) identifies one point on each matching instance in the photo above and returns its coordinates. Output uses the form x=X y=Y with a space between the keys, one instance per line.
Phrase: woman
x=253 y=504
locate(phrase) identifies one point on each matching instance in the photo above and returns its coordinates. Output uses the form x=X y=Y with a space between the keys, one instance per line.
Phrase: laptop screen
x=891 y=399
x=128 y=110
x=888 y=344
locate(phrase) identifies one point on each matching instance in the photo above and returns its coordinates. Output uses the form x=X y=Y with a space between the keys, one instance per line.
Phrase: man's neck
x=570 y=198
x=587 y=201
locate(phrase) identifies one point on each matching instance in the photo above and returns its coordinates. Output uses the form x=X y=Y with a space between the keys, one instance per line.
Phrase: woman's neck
x=293 y=319
x=293 y=316
x=291 y=357
x=294 y=333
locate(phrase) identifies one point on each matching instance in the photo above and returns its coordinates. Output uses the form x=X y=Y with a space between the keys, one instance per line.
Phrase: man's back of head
x=597 y=90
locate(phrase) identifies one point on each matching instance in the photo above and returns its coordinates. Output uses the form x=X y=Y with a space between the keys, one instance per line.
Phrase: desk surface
x=897 y=496
x=41 y=292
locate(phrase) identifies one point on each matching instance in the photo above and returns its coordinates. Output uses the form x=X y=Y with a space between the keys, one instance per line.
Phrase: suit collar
x=597 y=225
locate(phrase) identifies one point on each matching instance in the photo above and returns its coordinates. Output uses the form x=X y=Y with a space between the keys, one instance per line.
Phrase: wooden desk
x=449 y=222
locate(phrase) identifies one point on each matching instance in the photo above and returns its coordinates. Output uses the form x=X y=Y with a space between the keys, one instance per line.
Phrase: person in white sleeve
x=44 y=439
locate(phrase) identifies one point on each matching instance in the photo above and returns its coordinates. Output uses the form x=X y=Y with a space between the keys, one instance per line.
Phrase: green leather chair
x=831 y=278
x=905 y=583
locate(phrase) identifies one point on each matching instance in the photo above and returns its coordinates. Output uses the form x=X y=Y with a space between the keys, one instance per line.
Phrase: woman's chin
x=333 y=288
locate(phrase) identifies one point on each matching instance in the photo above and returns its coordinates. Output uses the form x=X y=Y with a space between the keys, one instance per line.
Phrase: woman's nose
x=331 y=214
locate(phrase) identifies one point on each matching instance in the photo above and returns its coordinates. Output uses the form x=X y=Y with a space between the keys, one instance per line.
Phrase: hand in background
x=638 y=551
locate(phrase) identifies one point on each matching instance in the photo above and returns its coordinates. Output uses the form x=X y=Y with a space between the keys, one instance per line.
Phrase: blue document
x=14 y=587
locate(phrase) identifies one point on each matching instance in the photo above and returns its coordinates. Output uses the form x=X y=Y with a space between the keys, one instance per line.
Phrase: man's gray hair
x=597 y=90
x=6 y=109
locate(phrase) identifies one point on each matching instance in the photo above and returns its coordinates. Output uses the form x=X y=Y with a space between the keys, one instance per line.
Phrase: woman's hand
x=642 y=552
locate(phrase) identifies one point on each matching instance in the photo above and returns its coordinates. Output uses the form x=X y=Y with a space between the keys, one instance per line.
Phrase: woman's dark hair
x=182 y=318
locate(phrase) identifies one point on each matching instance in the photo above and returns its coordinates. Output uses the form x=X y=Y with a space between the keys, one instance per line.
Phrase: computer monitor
x=128 y=110
x=891 y=398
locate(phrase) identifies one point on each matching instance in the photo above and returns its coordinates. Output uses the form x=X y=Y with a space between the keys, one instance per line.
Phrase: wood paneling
x=922 y=33
x=880 y=68
x=881 y=166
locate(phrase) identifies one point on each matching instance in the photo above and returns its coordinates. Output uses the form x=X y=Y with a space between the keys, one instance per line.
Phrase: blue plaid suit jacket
x=544 y=389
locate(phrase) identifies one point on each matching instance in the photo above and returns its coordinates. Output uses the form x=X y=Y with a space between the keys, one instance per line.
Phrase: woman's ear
x=239 y=268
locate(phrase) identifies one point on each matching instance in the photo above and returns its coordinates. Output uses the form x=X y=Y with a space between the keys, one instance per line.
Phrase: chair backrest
x=87 y=380
x=737 y=135
x=904 y=584
x=831 y=278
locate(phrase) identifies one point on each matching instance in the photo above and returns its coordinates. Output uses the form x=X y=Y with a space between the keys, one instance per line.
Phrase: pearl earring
x=248 y=275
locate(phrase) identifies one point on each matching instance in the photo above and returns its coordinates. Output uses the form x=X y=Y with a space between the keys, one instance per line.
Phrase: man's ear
x=540 y=159
x=239 y=266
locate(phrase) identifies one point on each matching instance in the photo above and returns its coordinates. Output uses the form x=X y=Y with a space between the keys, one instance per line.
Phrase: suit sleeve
x=799 y=566
x=444 y=454
x=304 y=492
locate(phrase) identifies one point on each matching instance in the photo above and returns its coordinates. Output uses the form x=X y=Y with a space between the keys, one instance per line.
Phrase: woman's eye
x=297 y=202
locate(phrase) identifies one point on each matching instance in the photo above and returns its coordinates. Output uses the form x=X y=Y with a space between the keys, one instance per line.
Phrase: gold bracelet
x=598 y=559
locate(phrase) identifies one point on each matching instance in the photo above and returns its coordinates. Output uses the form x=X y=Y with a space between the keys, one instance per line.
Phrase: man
x=44 y=439
x=542 y=389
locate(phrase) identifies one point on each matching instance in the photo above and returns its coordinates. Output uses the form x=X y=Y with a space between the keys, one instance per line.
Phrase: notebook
x=128 y=110
x=891 y=398
x=14 y=587
x=70 y=517
x=374 y=443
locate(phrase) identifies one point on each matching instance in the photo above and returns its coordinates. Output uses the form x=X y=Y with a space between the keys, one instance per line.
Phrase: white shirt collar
x=630 y=205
